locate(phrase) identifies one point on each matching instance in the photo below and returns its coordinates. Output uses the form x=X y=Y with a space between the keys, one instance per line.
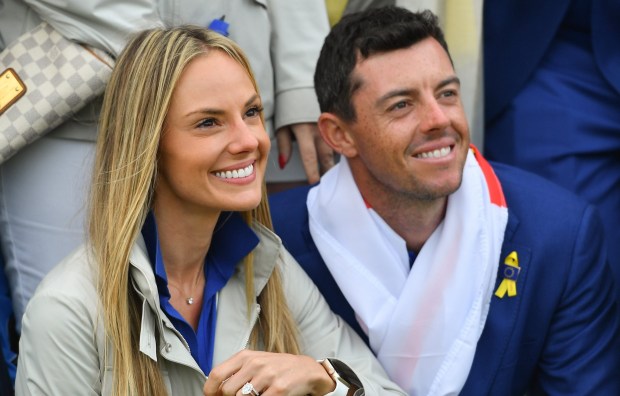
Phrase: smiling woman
x=181 y=275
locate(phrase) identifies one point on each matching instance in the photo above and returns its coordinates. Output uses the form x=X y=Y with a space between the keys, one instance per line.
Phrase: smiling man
x=464 y=277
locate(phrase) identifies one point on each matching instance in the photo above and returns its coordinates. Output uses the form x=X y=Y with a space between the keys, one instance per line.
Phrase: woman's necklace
x=189 y=300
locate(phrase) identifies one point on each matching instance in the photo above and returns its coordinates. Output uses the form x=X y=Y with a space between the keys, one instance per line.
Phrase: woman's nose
x=243 y=137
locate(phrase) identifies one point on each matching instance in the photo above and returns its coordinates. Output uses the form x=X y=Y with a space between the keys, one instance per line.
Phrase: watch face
x=349 y=376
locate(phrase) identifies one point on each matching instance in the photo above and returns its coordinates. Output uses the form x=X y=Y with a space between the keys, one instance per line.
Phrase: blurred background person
x=552 y=98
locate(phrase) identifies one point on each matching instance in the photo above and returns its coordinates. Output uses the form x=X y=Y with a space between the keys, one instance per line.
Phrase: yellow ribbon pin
x=510 y=271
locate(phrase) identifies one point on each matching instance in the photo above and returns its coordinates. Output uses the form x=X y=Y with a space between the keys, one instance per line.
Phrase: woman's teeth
x=237 y=173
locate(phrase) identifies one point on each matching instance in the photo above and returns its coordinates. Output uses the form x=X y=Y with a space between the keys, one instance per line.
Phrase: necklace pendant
x=189 y=300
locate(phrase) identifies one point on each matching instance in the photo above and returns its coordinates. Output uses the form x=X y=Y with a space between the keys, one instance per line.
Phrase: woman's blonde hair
x=135 y=105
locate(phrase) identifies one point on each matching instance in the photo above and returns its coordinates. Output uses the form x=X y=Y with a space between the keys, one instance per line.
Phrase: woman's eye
x=206 y=123
x=254 y=111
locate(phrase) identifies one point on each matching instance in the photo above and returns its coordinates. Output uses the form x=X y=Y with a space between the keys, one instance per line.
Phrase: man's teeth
x=237 y=173
x=435 y=153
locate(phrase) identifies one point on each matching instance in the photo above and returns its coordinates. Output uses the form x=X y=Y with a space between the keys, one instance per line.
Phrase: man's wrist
x=347 y=383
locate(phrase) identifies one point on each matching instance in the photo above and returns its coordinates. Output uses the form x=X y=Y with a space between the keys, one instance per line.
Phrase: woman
x=181 y=274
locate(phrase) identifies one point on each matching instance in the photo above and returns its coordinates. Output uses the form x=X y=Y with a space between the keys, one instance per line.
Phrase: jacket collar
x=143 y=281
x=265 y=255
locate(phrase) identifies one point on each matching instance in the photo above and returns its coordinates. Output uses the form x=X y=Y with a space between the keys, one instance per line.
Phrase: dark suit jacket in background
x=517 y=33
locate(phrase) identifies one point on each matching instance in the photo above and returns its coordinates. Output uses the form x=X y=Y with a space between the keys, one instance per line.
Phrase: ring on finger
x=248 y=389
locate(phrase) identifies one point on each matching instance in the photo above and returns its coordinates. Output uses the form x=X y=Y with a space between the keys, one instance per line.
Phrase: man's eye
x=449 y=93
x=399 y=105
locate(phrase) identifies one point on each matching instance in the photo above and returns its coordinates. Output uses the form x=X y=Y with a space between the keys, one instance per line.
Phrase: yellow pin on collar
x=510 y=272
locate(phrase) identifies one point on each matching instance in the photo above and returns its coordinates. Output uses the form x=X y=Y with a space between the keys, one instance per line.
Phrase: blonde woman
x=181 y=275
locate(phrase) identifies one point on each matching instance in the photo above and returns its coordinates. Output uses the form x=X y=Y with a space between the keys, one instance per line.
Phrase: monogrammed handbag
x=44 y=80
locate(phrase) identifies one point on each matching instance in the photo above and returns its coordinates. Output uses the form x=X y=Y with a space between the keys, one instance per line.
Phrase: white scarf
x=423 y=324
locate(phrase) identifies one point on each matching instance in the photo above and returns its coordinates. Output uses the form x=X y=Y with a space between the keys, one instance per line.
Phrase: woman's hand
x=316 y=156
x=271 y=374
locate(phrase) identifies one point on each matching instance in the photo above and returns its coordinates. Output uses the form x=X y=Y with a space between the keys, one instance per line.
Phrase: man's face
x=410 y=137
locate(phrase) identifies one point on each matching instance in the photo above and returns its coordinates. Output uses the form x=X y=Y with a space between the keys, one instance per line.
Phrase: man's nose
x=433 y=116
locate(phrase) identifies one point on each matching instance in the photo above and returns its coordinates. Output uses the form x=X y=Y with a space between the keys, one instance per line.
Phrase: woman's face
x=213 y=151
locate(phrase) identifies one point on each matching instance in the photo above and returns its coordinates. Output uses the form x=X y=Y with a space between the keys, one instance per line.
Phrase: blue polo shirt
x=232 y=240
x=412 y=257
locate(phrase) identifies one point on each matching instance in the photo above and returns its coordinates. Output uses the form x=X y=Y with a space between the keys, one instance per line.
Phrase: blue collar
x=232 y=240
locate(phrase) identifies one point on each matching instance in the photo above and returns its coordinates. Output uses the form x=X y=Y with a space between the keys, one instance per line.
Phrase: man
x=465 y=278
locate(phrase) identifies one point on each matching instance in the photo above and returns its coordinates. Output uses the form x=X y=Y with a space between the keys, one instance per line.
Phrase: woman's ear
x=336 y=134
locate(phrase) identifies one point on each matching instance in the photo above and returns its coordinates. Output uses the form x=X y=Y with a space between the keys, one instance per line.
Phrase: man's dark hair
x=362 y=35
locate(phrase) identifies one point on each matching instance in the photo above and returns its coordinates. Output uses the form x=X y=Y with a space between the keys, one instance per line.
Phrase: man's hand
x=316 y=156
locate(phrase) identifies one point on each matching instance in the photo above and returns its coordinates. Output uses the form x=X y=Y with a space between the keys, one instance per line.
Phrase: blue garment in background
x=552 y=98
x=8 y=361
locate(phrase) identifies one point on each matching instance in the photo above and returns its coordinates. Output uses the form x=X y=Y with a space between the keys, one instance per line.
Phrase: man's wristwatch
x=347 y=382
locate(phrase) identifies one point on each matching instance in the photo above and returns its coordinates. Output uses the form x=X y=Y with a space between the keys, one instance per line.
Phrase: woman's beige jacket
x=62 y=342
